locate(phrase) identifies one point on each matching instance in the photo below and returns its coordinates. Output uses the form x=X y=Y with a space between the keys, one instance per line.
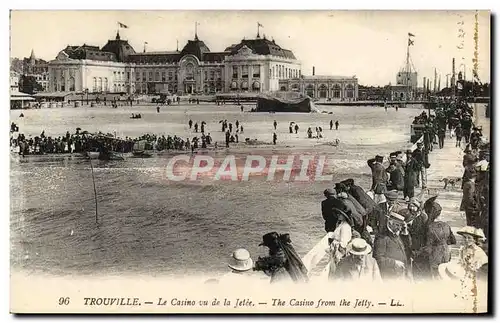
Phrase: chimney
x=313 y=71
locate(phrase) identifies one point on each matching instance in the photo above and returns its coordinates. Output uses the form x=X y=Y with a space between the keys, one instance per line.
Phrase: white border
x=188 y=4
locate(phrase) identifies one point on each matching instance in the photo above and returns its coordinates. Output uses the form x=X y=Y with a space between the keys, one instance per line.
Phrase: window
x=157 y=76
x=128 y=76
x=163 y=76
x=336 y=91
x=256 y=71
x=286 y=72
x=137 y=76
x=150 y=78
x=114 y=75
x=350 y=91
x=170 y=75
x=99 y=86
x=256 y=86
x=212 y=75
x=71 y=83
x=144 y=76
x=94 y=86
x=235 y=72
x=244 y=73
x=206 y=75
x=106 y=84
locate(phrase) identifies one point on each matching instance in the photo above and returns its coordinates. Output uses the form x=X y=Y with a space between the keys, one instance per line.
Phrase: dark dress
x=439 y=236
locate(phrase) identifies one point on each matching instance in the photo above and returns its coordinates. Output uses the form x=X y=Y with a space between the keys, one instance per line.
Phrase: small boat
x=142 y=149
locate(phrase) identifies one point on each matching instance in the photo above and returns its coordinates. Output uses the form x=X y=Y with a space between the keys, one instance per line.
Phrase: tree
x=28 y=84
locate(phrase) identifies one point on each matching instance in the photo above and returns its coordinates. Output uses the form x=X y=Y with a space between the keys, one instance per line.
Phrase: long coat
x=410 y=176
x=469 y=197
x=396 y=176
x=439 y=236
x=329 y=215
x=388 y=248
x=364 y=199
x=379 y=176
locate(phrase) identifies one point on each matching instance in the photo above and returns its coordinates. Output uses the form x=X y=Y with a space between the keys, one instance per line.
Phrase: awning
x=21 y=98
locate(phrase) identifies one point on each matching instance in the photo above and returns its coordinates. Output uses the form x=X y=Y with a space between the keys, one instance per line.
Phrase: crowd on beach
x=386 y=232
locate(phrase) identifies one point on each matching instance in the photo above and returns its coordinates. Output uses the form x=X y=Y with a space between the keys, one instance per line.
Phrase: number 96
x=64 y=301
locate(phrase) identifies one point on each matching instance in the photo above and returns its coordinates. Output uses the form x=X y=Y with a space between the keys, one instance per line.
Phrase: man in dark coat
x=421 y=157
x=391 y=249
x=359 y=194
x=327 y=209
x=396 y=173
x=469 y=201
x=410 y=175
x=379 y=176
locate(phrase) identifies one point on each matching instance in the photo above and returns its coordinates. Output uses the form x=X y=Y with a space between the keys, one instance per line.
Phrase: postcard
x=249 y=161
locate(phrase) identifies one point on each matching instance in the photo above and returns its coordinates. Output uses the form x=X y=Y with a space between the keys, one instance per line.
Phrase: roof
x=328 y=77
x=51 y=94
x=20 y=96
x=121 y=48
x=262 y=46
x=195 y=47
x=154 y=58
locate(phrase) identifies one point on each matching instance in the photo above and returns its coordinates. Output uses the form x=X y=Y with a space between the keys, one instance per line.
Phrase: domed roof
x=262 y=46
x=195 y=47
x=121 y=48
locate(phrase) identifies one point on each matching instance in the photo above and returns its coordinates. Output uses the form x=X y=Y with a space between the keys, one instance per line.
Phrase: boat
x=141 y=149
x=284 y=102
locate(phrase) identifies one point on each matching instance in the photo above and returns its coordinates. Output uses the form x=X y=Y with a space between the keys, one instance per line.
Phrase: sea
x=147 y=224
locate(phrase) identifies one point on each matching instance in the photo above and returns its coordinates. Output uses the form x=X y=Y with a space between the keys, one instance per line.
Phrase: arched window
x=283 y=88
x=71 y=83
x=350 y=91
x=105 y=84
x=63 y=84
x=244 y=85
x=256 y=86
x=336 y=91
x=94 y=85
x=323 y=91
x=234 y=86
x=99 y=85
x=310 y=90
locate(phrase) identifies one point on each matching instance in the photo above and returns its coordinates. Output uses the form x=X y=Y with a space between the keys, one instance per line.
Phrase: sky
x=370 y=45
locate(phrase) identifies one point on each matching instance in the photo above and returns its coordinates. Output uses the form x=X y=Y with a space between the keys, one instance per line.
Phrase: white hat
x=451 y=270
x=475 y=232
x=358 y=246
x=240 y=260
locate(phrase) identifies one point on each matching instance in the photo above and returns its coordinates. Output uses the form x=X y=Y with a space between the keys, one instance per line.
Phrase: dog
x=452 y=181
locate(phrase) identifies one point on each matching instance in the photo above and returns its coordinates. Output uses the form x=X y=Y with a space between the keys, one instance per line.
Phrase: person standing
x=296 y=128
x=441 y=136
x=275 y=137
x=391 y=249
x=469 y=202
x=331 y=124
x=379 y=175
x=358 y=265
x=337 y=125
x=275 y=124
x=396 y=173
x=410 y=175
x=458 y=134
x=420 y=156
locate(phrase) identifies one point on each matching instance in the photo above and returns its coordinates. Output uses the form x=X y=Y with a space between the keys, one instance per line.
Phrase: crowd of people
x=376 y=235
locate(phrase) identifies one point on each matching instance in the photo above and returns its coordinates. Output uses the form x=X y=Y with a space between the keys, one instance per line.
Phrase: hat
x=419 y=143
x=329 y=192
x=348 y=182
x=409 y=151
x=396 y=216
x=391 y=195
x=269 y=239
x=415 y=202
x=378 y=157
x=451 y=270
x=393 y=155
x=358 y=246
x=346 y=215
x=475 y=232
x=340 y=187
x=240 y=260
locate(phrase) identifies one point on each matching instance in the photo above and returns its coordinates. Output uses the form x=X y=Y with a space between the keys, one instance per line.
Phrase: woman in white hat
x=472 y=257
x=241 y=265
x=358 y=265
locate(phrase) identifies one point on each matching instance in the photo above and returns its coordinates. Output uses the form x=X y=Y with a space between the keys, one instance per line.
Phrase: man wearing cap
x=396 y=173
x=358 y=265
x=421 y=157
x=379 y=176
x=410 y=175
x=391 y=250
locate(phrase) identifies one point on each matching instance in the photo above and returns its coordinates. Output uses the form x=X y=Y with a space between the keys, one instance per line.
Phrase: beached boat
x=142 y=149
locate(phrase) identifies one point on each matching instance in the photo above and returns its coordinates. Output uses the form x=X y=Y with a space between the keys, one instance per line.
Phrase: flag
x=122 y=25
x=410 y=42
x=260 y=25
x=411 y=35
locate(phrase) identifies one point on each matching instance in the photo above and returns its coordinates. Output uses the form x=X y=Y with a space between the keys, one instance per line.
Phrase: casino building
x=250 y=66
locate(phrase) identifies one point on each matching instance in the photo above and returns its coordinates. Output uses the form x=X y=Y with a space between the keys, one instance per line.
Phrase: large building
x=32 y=67
x=252 y=65
x=332 y=88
